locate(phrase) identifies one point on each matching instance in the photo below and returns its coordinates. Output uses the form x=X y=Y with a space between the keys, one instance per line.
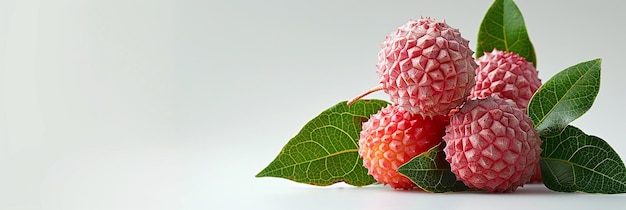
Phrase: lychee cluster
x=440 y=94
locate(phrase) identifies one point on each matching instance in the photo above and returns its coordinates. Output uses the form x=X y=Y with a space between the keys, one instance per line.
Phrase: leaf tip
x=263 y=173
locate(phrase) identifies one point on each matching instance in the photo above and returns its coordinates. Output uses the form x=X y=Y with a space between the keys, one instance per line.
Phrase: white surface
x=137 y=104
x=378 y=197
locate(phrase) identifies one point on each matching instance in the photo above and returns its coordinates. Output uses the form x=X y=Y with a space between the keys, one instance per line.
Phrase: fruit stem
x=374 y=89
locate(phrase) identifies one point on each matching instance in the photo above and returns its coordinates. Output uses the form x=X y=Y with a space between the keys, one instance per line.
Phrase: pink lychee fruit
x=392 y=137
x=491 y=145
x=426 y=67
x=506 y=75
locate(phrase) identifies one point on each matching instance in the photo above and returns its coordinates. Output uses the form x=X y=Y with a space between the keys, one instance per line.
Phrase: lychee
x=426 y=67
x=506 y=75
x=491 y=145
x=392 y=137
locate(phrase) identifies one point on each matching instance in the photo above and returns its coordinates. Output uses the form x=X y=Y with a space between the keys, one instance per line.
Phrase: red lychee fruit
x=491 y=145
x=426 y=67
x=392 y=137
x=506 y=75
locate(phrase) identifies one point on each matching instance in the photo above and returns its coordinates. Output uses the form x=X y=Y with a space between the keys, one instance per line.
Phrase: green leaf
x=431 y=172
x=503 y=28
x=574 y=161
x=325 y=151
x=565 y=97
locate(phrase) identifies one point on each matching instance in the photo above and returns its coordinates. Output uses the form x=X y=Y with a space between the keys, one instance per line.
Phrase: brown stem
x=374 y=89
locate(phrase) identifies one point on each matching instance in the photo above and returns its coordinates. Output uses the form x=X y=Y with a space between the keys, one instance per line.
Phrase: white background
x=137 y=104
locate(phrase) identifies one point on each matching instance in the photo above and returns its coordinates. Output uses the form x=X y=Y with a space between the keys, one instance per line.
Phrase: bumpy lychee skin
x=491 y=145
x=506 y=75
x=426 y=67
x=392 y=137
x=536 y=178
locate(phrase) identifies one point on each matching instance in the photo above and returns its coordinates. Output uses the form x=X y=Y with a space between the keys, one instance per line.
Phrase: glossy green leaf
x=565 y=97
x=574 y=161
x=431 y=172
x=325 y=151
x=503 y=28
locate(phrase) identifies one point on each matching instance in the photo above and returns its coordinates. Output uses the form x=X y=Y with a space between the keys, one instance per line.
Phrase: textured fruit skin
x=536 y=178
x=491 y=145
x=506 y=75
x=426 y=67
x=392 y=137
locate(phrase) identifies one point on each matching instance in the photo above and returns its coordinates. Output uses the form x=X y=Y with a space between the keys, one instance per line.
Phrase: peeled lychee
x=426 y=67
x=491 y=145
x=506 y=75
x=392 y=137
